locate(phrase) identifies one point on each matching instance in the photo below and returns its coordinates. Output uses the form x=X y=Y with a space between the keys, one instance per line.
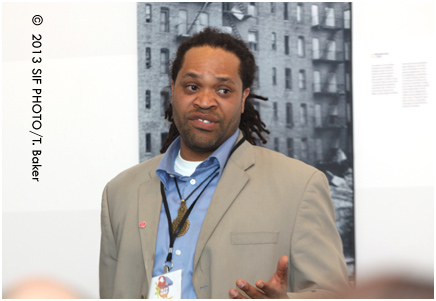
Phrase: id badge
x=166 y=286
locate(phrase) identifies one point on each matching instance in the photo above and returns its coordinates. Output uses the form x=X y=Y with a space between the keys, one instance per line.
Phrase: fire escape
x=235 y=12
x=328 y=60
x=203 y=9
x=185 y=29
x=328 y=55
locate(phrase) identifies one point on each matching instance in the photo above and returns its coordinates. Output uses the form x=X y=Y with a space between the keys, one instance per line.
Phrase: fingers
x=272 y=291
x=234 y=294
x=250 y=290
x=275 y=288
x=282 y=268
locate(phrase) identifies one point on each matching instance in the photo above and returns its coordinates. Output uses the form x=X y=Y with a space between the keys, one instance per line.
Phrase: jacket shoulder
x=275 y=161
x=138 y=173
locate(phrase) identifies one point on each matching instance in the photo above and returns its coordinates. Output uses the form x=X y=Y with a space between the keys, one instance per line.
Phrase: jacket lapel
x=149 y=206
x=230 y=185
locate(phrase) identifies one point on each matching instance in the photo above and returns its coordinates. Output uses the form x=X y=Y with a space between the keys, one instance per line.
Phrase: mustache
x=203 y=112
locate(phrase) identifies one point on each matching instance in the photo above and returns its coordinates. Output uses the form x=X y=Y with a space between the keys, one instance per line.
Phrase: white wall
x=394 y=145
x=90 y=134
x=89 y=128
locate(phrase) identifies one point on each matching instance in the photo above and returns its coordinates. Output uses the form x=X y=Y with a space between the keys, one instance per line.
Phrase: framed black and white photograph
x=303 y=52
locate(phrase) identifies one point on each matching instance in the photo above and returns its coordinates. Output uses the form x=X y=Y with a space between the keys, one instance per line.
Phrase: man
x=225 y=212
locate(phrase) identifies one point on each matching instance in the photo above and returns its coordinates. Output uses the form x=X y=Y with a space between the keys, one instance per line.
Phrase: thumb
x=282 y=268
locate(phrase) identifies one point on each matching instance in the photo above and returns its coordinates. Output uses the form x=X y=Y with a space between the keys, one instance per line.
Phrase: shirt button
x=192 y=182
x=178 y=252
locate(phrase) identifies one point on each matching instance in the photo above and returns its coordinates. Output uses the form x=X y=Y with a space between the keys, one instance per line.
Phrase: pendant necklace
x=181 y=212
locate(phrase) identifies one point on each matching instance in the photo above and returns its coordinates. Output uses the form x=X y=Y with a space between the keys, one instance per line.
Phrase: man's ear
x=244 y=97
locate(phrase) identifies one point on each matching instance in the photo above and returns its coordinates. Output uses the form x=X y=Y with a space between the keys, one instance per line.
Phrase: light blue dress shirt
x=184 y=246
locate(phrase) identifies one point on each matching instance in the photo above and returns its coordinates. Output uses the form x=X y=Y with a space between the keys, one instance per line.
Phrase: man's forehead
x=219 y=60
x=191 y=74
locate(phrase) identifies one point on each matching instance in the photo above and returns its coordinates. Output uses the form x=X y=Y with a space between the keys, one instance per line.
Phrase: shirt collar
x=220 y=155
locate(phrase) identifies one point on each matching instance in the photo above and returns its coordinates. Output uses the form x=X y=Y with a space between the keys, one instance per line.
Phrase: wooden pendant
x=181 y=212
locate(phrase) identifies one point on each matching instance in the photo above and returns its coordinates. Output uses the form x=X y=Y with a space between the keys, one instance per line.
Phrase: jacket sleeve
x=317 y=265
x=108 y=251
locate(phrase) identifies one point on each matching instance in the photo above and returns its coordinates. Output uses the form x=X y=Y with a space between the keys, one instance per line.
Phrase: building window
x=332 y=83
x=300 y=12
x=301 y=50
x=315 y=15
x=290 y=145
x=165 y=101
x=252 y=40
x=182 y=24
x=273 y=41
x=318 y=118
x=303 y=114
x=302 y=80
x=331 y=50
x=202 y=21
x=347 y=82
x=275 y=109
x=333 y=117
x=147 y=142
x=147 y=57
x=289 y=118
x=330 y=16
x=256 y=83
x=285 y=11
x=347 y=50
x=276 y=144
x=347 y=19
x=148 y=13
x=288 y=78
x=315 y=48
x=164 y=19
x=273 y=7
x=147 y=99
x=274 y=76
x=164 y=61
x=286 y=44
x=316 y=81
x=319 y=152
x=252 y=9
x=163 y=137
x=304 y=150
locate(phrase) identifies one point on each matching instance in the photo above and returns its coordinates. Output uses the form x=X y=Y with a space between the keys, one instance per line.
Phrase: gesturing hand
x=275 y=288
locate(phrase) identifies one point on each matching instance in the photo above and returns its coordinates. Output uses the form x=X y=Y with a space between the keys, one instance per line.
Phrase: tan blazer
x=265 y=205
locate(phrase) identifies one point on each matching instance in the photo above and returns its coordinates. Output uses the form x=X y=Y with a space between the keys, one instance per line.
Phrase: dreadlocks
x=251 y=122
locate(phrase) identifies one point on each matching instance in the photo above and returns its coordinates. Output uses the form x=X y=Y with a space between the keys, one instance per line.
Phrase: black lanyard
x=173 y=235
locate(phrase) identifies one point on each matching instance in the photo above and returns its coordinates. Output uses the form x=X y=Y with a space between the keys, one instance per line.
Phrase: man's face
x=207 y=100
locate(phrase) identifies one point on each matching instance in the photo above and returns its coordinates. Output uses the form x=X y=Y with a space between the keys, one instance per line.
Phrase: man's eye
x=192 y=87
x=224 y=91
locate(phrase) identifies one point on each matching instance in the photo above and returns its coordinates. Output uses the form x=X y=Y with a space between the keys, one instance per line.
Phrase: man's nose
x=206 y=99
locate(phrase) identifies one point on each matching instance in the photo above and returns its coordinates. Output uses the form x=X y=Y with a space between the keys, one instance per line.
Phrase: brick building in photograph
x=303 y=54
